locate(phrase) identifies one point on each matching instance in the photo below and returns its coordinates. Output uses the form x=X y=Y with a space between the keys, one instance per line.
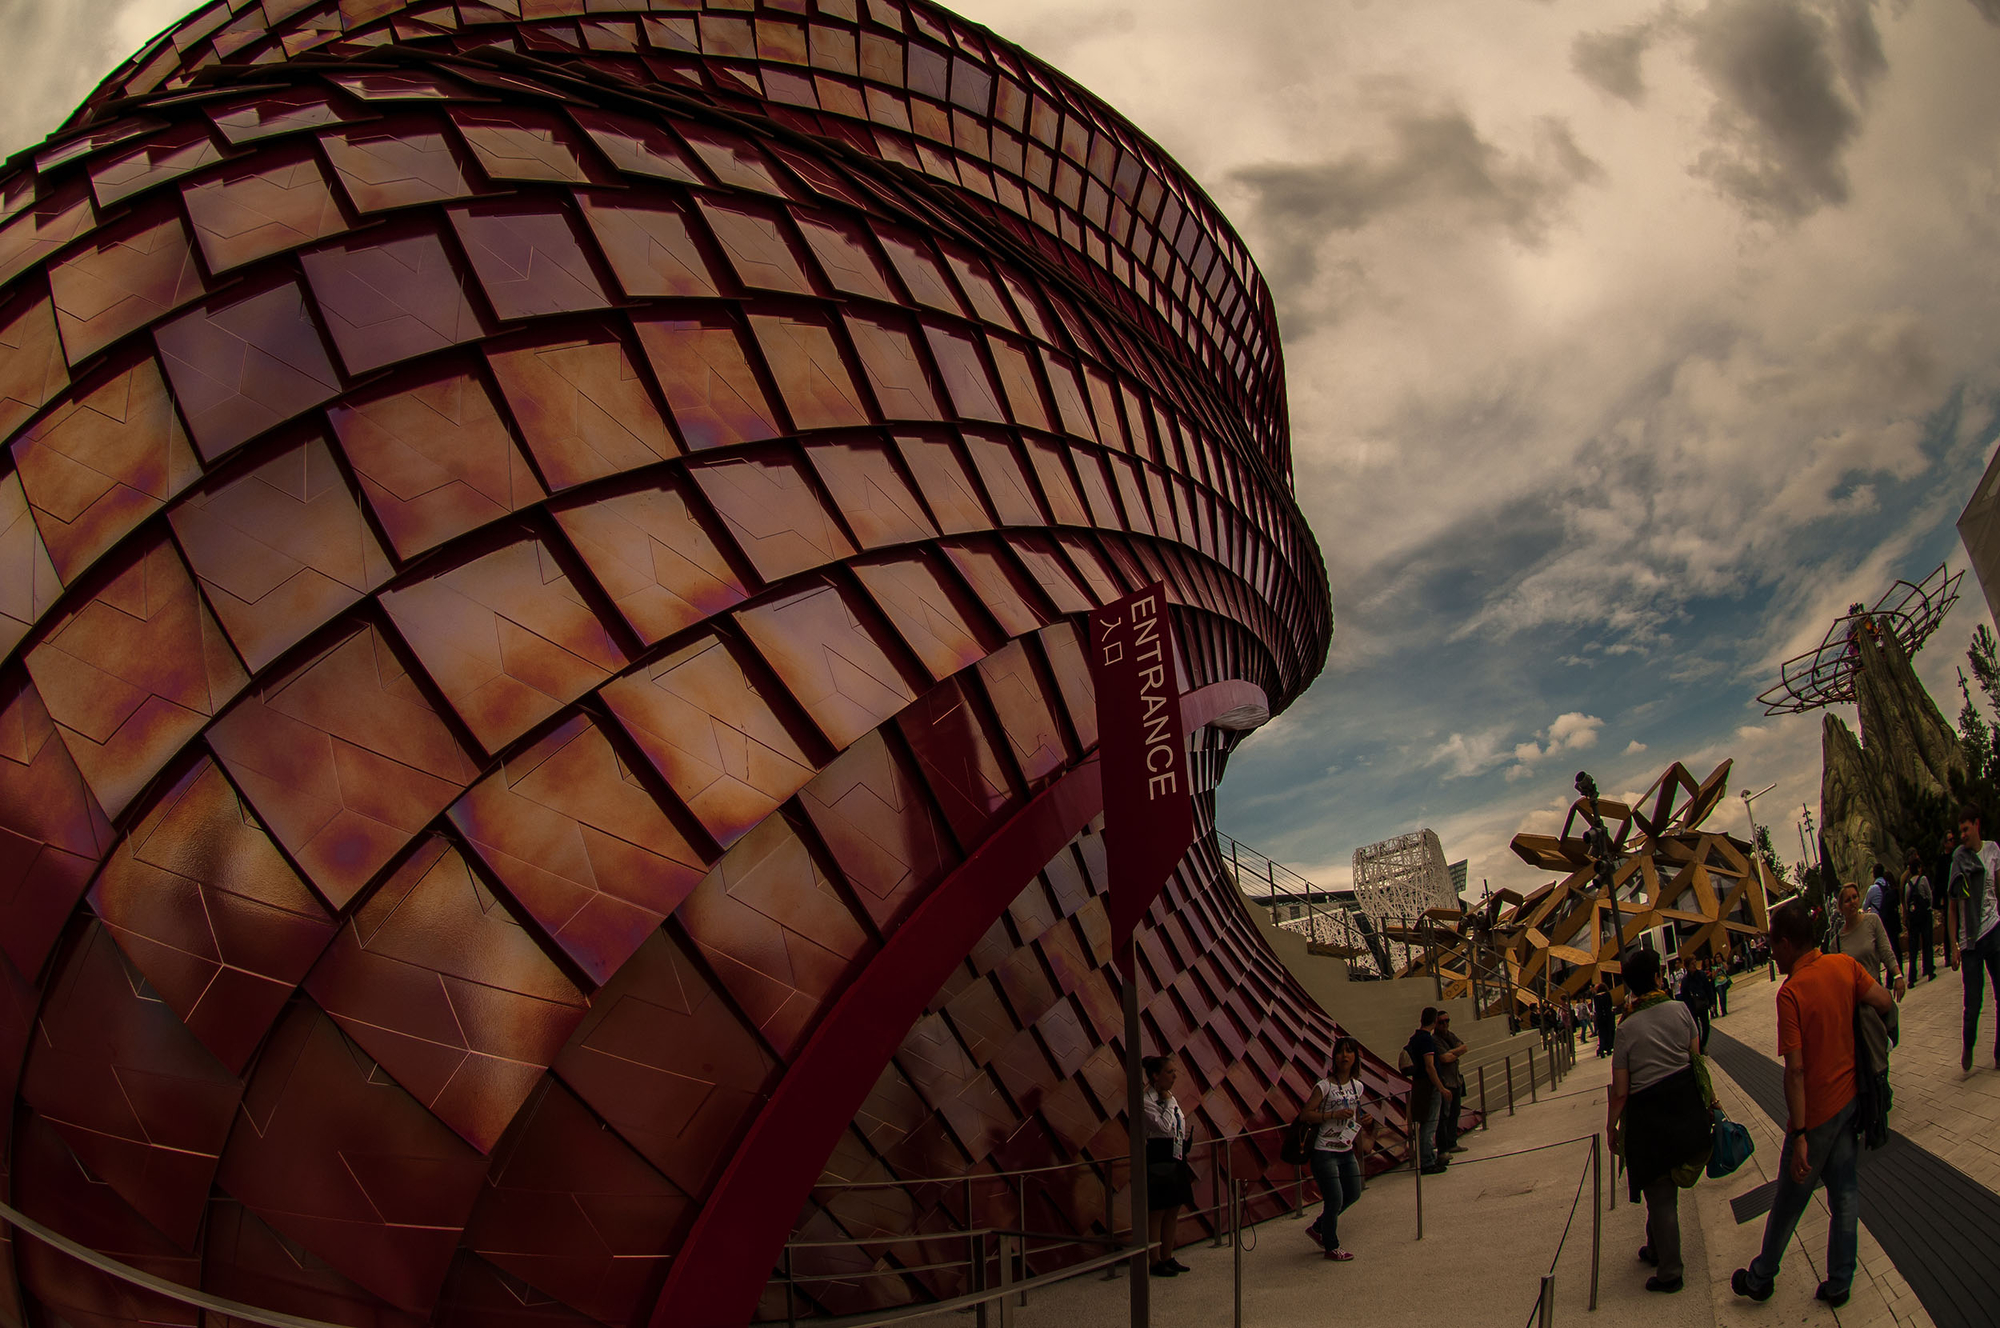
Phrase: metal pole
x=1110 y=1220
x=1531 y=1076
x=1485 y=1116
x=1298 y=1192
x=1004 y=1300
x=1021 y=1212
x=1135 y=1122
x=1417 y=1163
x=1219 y=1217
x=1236 y=1253
x=1548 y=1316
x=1510 y=1083
x=1596 y=1211
x=981 y=1313
x=791 y=1306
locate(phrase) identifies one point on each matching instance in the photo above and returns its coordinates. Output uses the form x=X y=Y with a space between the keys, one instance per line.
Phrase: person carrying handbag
x=1335 y=1108
x=1661 y=1097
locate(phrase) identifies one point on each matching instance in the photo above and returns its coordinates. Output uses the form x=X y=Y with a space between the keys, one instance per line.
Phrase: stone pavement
x=1493 y=1222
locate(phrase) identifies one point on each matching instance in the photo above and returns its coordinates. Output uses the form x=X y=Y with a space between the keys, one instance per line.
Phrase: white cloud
x=1634 y=747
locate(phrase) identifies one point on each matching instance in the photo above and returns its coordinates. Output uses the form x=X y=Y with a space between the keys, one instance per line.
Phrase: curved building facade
x=544 y=735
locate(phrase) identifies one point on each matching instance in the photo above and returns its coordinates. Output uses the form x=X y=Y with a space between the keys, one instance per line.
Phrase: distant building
x=1404 y=876
x=1458 y=872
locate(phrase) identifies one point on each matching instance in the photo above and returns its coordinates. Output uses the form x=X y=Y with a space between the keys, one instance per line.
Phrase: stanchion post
x=1417 y=1167
x=1596 y=1211
x=1221 y=1218
x=1531 y=1076
x=1005 y=1300
x=1510 y=1083
x=1548 y=1314
x=791 y=1303
x=1485 y=1116
x=1110 y=1221
x=982 y=1314
x=1298 y=1192
x=1236 y=1254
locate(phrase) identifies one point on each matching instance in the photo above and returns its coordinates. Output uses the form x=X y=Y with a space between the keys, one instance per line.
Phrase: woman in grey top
x=1658 y=1092
x=1865 y=940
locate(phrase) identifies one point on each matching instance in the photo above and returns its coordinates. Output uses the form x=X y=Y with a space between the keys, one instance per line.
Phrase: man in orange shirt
x=1816 y=1035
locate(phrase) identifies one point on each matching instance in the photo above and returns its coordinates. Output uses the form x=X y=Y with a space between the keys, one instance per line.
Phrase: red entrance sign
x=1148 y=812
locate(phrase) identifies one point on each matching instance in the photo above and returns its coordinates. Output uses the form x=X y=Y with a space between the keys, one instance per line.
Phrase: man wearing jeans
x=1972 y=923
x=1816 y=1035
x=1427 y=1091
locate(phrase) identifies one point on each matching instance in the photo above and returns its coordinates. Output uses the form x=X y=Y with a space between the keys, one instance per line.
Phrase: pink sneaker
x=1339 y=1256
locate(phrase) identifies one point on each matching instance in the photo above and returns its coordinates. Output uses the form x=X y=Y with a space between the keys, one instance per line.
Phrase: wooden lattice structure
x=1558 y=940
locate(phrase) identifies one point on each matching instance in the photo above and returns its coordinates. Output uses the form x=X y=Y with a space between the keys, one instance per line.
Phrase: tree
x=1769 y=854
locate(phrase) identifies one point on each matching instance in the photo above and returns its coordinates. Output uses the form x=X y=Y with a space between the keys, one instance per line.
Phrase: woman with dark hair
x=1336 y=1108
x=1660 y=1089
x=1168 y=1176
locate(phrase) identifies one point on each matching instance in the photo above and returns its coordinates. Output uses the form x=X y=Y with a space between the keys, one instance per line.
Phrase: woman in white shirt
x=1168 y=1176
x=1336 y=1108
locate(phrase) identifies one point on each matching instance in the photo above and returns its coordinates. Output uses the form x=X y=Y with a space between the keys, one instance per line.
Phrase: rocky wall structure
x=544 y=739
x=1905 y=748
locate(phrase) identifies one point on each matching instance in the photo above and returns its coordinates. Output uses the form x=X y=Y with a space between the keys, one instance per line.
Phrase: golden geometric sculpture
x=1667 y=870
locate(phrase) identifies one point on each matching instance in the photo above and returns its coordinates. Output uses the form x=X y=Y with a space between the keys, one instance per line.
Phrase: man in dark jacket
x=1607 y=1021
x=1698 y=994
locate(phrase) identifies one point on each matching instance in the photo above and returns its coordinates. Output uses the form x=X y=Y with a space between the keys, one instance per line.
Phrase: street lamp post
x=1756 y=855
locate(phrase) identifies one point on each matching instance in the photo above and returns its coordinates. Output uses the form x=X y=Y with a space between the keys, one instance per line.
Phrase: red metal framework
x=1908 y=610
x=545 y=554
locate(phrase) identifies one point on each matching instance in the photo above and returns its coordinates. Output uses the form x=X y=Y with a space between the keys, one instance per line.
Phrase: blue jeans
x=1979 y=964
x=1338 y=1176
x=1426 y=1125
x=1831 y=1150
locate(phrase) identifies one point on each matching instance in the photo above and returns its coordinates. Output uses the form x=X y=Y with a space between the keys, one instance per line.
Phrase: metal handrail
x=973 y=1300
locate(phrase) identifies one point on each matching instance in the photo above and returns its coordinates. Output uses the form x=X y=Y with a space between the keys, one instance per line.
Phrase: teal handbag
x=1731 y=1149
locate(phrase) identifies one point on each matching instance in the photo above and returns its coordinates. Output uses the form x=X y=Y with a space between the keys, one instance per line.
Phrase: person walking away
x=1606 y=1016
x=1816 y=1009
x=1663 y=1100
x=1450 y=1048
x=1888 y=894
x=1919 y=918
x=1972 y=923
x=1426 y=1091
x=1722 y=983
x=1336 y=1167
x=1169 y=1179
x=1698 y=994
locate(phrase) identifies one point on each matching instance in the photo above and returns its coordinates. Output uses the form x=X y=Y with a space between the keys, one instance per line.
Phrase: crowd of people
x=1836 y=1013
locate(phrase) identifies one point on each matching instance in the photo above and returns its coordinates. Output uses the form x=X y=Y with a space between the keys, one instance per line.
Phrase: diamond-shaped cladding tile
x=245 y=1259
x=52 y=834
x=654 y=556
x=433 y=456
x=775 y=931
x=29 y=586
x=396 y=163
x=170 y=155
x=437 y=981
x=667 y=1063
x=811 y=376
x=829 y=658
x=134 y=272
x=933 y=615
x=573 y=1210
x=52 y=1186
x=98 y=466
x=280 y=549
x=649 y=245
x=580 y=844
x=506 y=637
x=773 y=513
x=133 y=672
x=202 y=902
x=336 y=1155
x=581 y=405
x=957 y=753
x=278 y=202
x=528 y=257
x=389 y=294
x=244 y=364
x=43 y=227
x=871 y=494
x=706 y=374
x=709 y=731
x=892 y=846
x=32 y=370
x=343 y=760
x=128 y=1087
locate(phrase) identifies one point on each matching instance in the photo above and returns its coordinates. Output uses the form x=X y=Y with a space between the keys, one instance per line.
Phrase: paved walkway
x=1493 y=1223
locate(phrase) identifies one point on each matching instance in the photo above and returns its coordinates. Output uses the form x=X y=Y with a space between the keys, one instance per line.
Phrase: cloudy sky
x=1628 y=343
